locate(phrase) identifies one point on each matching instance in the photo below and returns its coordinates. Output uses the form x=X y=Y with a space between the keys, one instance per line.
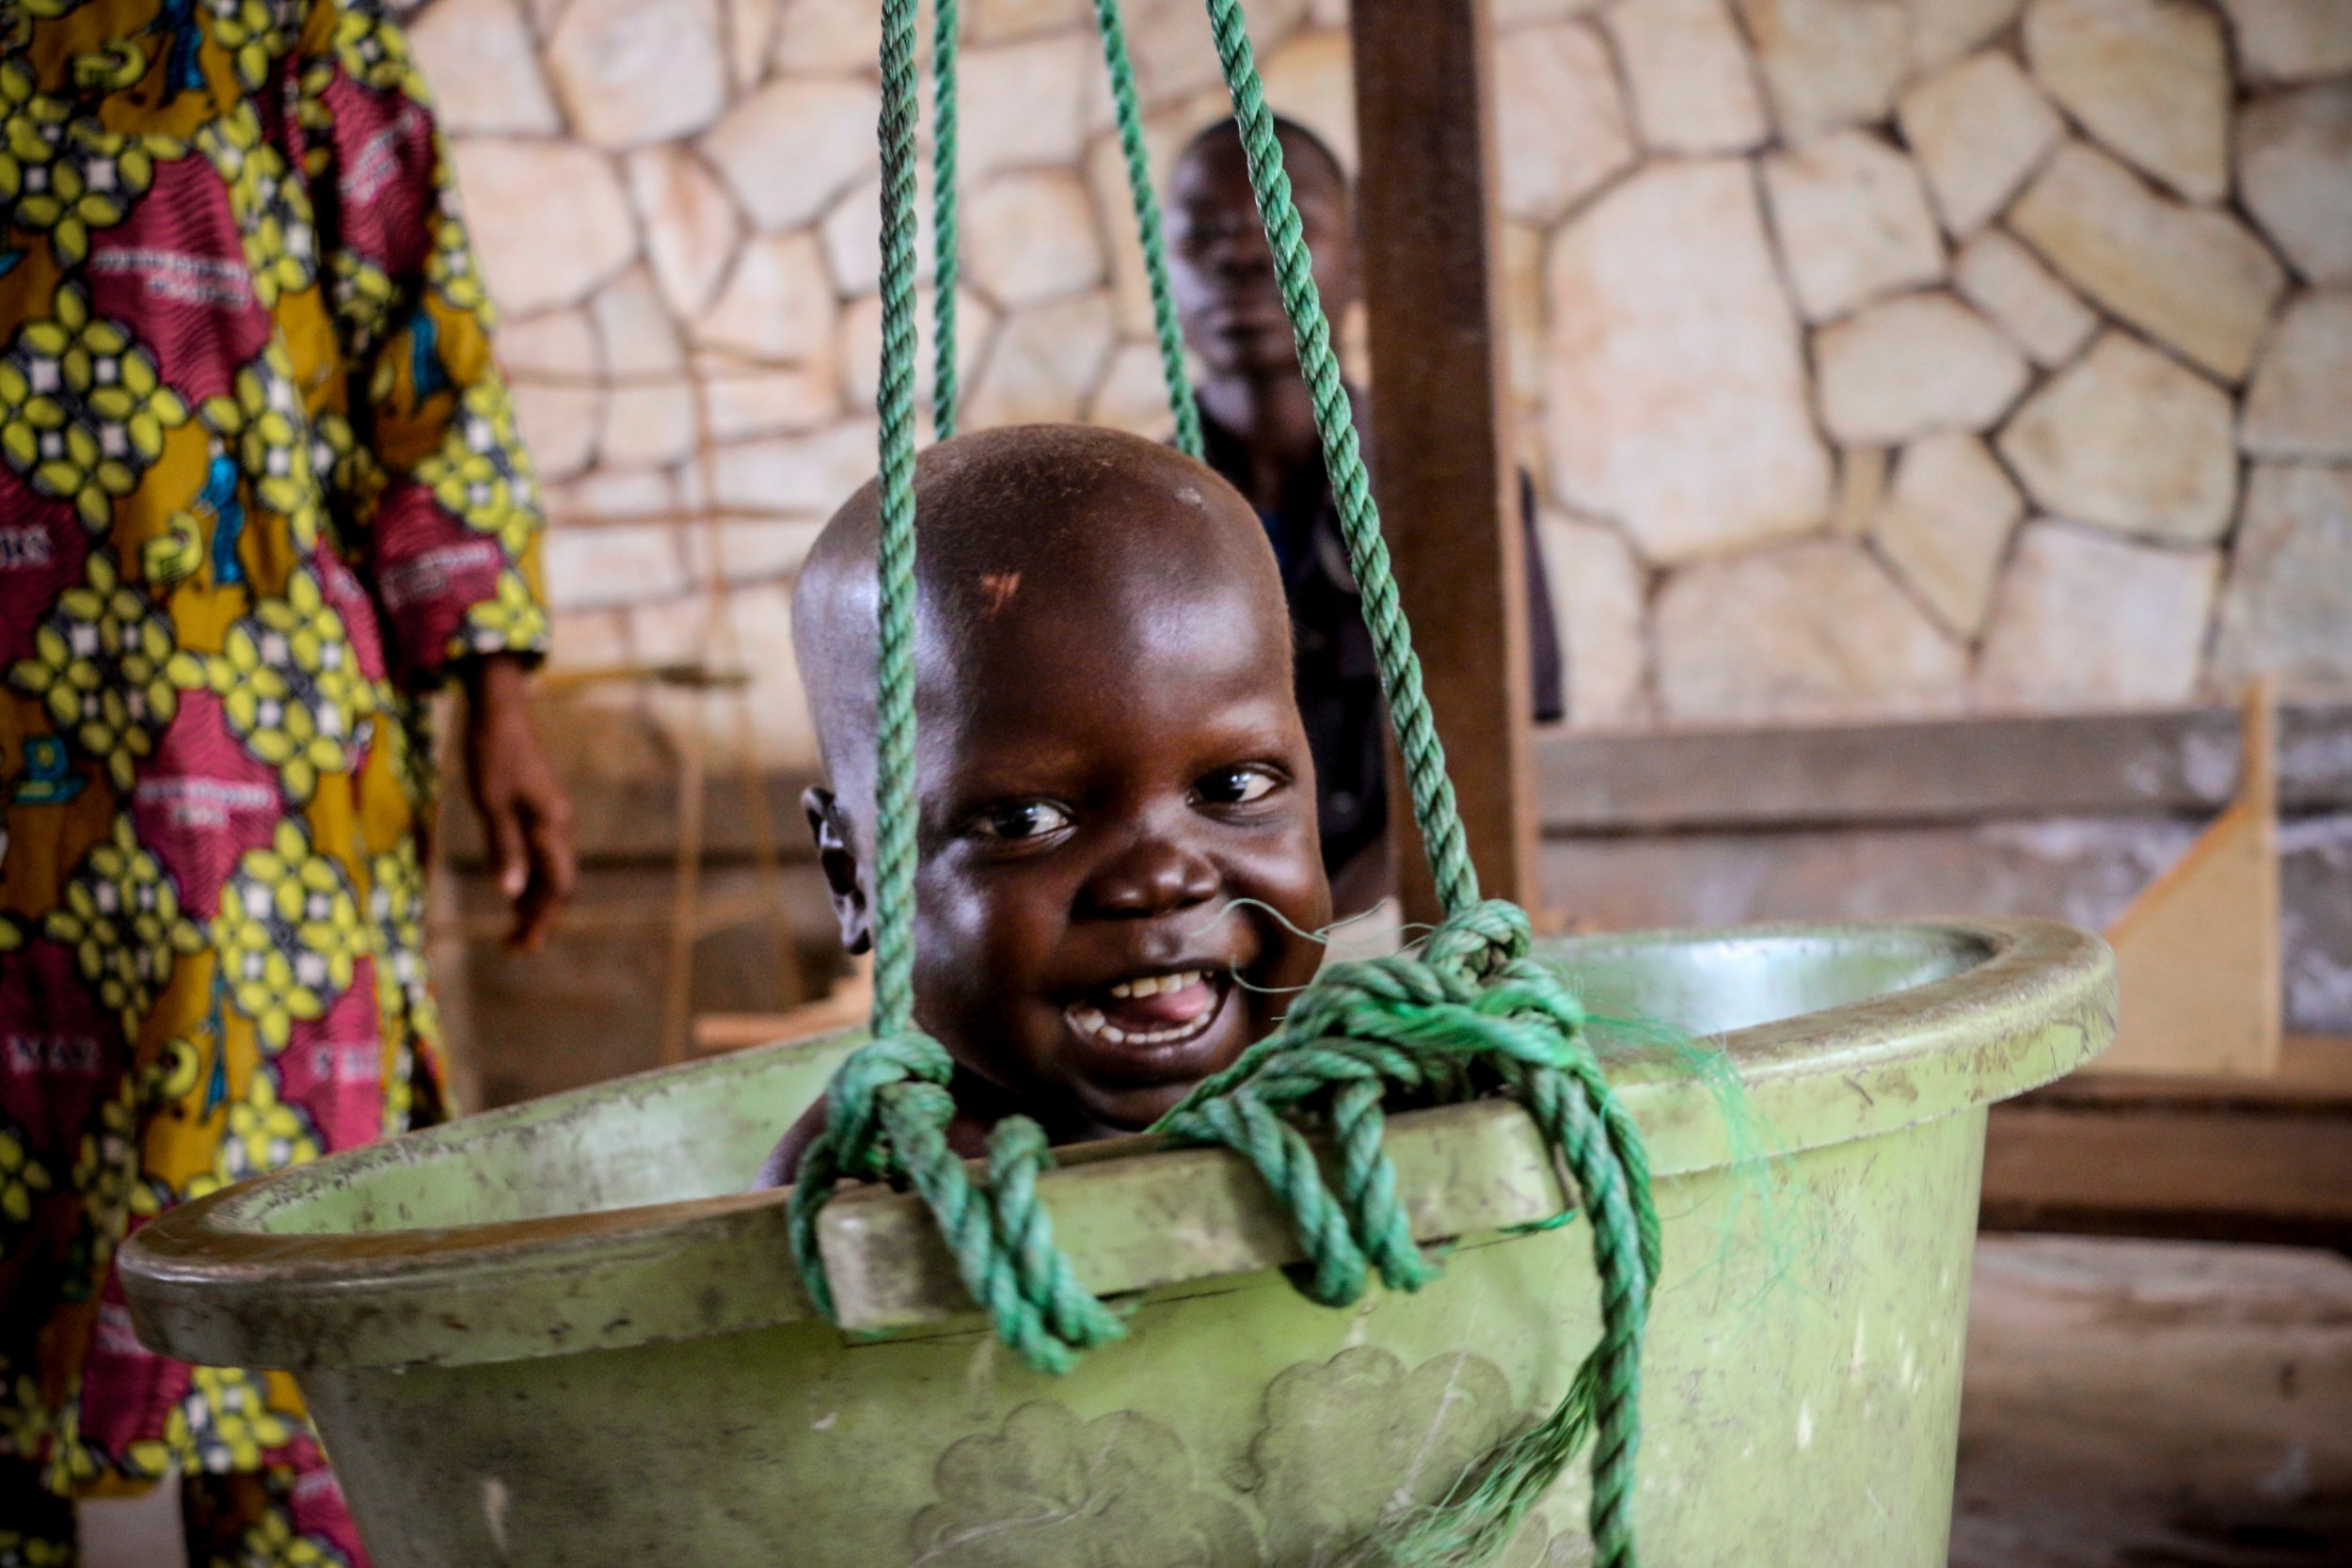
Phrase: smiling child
x=1116 y=805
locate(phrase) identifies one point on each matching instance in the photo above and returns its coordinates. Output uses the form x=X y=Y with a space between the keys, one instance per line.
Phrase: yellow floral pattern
x=61 y=176
x=288 y=934
x=246 y=394
x=106 y=666
x=291 y=686
x=82 y=410
x=121 y=917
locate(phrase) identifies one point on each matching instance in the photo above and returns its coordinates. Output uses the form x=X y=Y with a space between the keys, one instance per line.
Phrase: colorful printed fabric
x=274 y=1518
x=258 y=486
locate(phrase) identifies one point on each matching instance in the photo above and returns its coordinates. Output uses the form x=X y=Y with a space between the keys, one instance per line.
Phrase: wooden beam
x=1913 y=771
x=1445 y=469
x=2221 y=1175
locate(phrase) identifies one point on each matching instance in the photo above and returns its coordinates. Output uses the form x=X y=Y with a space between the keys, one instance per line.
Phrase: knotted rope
x=1470 y=1014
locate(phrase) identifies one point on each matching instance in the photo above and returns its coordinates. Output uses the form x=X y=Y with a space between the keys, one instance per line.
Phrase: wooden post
x=1445 y=469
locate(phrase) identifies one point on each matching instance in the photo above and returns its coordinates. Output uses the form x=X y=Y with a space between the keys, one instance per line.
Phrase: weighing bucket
x=563 y=1332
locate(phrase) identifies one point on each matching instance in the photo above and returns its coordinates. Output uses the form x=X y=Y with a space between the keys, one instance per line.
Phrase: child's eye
x=1019 y=820
x=1236 y=787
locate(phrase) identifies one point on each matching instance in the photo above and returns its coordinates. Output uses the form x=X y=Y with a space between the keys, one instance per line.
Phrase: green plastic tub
x=563 y=1332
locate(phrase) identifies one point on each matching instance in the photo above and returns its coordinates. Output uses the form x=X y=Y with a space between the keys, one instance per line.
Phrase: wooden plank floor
x=2155 y=1404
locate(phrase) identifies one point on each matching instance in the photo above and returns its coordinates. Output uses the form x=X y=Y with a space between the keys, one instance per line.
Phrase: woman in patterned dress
x=259 y=493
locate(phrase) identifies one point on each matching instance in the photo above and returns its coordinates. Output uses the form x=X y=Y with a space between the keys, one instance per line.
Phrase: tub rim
x=205 y=1284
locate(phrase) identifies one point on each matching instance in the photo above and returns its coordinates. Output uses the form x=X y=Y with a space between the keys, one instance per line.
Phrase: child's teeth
x=1152 y=985
x=1089 y=1019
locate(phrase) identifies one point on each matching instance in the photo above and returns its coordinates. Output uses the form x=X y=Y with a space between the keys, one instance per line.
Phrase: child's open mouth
x=1151 y=1011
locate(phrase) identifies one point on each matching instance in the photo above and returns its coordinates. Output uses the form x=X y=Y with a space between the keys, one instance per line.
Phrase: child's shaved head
x=1114 y=804
x=1033 y=521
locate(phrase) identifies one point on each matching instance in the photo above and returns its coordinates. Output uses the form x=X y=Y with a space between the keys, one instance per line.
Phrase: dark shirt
x=1339 y=678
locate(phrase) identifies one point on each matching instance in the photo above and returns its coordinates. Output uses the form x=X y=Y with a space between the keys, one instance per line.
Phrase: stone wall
x=1877 y=357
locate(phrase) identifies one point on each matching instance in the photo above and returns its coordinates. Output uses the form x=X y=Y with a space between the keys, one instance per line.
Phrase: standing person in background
x=1258 y=427
x=259 y=494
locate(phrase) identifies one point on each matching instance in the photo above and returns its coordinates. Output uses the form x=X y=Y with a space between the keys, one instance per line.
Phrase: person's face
x=1222 y=270
x=1100 y=780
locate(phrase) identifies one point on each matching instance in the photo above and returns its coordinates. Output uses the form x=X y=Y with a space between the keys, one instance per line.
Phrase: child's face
x=1104 y=771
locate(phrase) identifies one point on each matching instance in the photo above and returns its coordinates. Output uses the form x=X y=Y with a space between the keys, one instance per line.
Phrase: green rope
x=1434 y=807
x=1472 y=1014
x=946 y=261
x=1165 y=328
x=894 y=768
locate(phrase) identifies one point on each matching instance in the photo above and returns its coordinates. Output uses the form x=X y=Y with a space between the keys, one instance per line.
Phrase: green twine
x=893 y=771
x=1165 y=329
x=1472 y=1014
x=1434 y=807
x=946 y=263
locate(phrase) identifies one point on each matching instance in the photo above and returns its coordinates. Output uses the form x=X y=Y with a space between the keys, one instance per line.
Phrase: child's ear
x=836 y=856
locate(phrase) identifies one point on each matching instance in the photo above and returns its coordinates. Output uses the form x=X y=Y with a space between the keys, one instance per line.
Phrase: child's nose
x=1153 y=877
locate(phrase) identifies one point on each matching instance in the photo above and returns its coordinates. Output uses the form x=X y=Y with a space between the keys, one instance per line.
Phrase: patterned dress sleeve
x=432 y=495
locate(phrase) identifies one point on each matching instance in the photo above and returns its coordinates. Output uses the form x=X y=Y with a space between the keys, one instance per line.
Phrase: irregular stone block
x=751 y=34
x=1029 y=103
x=1852 y=223
x=1809 y=630
x=1860 y=486
x=690 y=226
x=640 y=341
x=2287 y=610
x=1312 y=79
x=597 y=568
x=645 y=426
x=1044 y=363
x=1133 y=394
x=1978 y=129
x=1598 y=590
x=744 y=401
x=2084 y=619
x=2147 y=77
x=1559 y=126
x=2294 y=166
x=807 y=474
x=1523 y=311
x=2301 y=402
x=1693 y=89
x=1676 y=391
x=537 y=253
x=2129 y=439
x=861 y=345
x=852 y=235
x=484 y=67
x=559 y=345
x=1523 y=13
x=1909 y=366
x=559 y=426
x=788 y=149
x=2290 y=40
x=1029 y=237
x=995 y=21
x=613 y=495
x=760 y=551
x=1175 y=57
x=1944 y=525
x=2000 y=278
x=1828 y=62
x=830 y=37
x=1942 y=31
x=2194 y=278
x=777 y=307
x=633 y=71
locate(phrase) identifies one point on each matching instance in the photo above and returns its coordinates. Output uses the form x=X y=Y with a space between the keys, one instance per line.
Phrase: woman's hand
x=526 y=818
